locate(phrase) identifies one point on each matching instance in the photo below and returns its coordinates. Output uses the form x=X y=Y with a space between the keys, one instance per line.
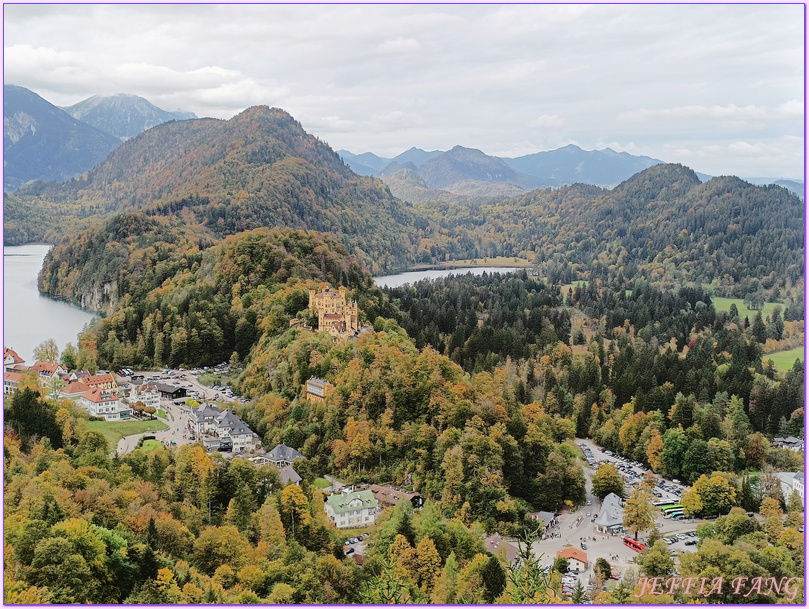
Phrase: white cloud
x=658 y=80
x=400 y=45
x=690 y=113
x=547 y=121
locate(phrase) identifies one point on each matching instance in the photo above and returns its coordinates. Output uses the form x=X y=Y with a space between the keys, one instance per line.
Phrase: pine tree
x=494 y=579
x=579 y=596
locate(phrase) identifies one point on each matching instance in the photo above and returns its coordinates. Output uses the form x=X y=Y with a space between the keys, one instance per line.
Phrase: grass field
x=150 y=445
x=115 y=430
x=784 y=360
x=497 y=261
x=723 y=304
x=321 y=483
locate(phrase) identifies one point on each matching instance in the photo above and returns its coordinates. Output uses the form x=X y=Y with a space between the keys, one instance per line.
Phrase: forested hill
x=662 y=223
x=259 y=168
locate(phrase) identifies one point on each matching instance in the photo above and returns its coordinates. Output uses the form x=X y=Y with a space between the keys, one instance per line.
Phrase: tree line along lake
x=29 y=318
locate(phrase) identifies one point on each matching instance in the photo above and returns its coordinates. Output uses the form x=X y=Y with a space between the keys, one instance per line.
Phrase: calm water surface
x=394 y=281
x=28 y=317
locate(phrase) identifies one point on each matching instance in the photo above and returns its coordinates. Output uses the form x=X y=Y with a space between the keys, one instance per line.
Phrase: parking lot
x=355 y=545
x=575 y=528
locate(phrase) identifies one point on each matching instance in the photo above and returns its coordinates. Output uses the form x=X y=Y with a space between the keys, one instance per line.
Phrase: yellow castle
x=334 y=315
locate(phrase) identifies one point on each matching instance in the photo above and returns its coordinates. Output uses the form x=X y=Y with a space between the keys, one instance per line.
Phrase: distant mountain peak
x=122 y=114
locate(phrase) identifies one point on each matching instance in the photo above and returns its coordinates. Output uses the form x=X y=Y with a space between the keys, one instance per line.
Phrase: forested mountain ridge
x=259 y=168
x=662 y=223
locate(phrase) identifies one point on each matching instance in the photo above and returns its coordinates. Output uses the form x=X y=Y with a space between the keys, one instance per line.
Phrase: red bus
x=631 y=543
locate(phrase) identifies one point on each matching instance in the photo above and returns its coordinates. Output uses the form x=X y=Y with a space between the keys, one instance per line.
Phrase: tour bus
x=631 y=543
x=662 y=503
x=667 y=510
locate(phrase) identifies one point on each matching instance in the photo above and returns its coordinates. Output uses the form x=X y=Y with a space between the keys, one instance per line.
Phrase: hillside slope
x=258 y=169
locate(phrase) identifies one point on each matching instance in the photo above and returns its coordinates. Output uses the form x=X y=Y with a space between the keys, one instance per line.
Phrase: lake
x=28 y=317
x=394 y=281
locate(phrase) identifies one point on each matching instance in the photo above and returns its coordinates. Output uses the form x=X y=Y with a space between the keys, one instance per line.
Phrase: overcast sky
x=717 y=88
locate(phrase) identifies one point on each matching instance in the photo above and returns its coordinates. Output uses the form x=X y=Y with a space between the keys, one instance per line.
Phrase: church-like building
x=335 y=314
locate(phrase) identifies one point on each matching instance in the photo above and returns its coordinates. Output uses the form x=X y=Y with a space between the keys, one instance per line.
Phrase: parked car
x=691 y=542
x=583 y=546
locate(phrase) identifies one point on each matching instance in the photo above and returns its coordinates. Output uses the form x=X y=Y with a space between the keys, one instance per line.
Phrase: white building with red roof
x=11 y=381
x=148 y=394
x=102 y=403
x=47 y=370
x=12 y=361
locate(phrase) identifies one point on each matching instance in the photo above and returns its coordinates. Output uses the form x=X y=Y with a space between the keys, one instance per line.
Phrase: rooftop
x=341 y=503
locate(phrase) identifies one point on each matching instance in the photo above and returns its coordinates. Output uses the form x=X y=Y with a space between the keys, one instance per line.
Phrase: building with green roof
x=351 y=510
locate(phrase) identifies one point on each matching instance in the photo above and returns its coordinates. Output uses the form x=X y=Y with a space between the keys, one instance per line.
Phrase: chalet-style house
x=11 y=361
x=351 y=510
x=576 y=559
x=47 y=370
x=170 y=392
x=387 y=496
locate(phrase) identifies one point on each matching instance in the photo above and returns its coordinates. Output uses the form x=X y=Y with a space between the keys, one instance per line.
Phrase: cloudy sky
x=718 y=88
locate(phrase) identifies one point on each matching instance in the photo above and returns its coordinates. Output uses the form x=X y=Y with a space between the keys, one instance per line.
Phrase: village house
x=104 y=404
x=790 y=442
x=74 y=390
x=147 y=394
x=576 y=559
x=387 y=496
x=47 y=370
x=11 y=361
x=797 y=484
x=104 y=381
x=11 y=381
x=334 y=314
x=495 y=543
x=224 y=424
x=317 y=390
x=351 y=509
x=282 y=455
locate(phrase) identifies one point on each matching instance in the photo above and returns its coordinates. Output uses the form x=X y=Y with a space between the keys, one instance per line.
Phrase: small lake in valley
x=394 y=281
x=28 y=317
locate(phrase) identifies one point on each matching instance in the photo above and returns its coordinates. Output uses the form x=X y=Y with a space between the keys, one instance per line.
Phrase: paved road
x=175 y=432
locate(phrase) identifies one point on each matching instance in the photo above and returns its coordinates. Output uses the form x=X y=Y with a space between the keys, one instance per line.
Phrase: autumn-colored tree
x=638 y=515
x=46 y=351
x=294 y=509
x=270 y=525
x=606 y=480
x=655 y=450
x=427 y=563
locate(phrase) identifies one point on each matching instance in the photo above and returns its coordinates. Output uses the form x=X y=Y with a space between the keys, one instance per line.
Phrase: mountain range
x=44 y=142
x=465 y=171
